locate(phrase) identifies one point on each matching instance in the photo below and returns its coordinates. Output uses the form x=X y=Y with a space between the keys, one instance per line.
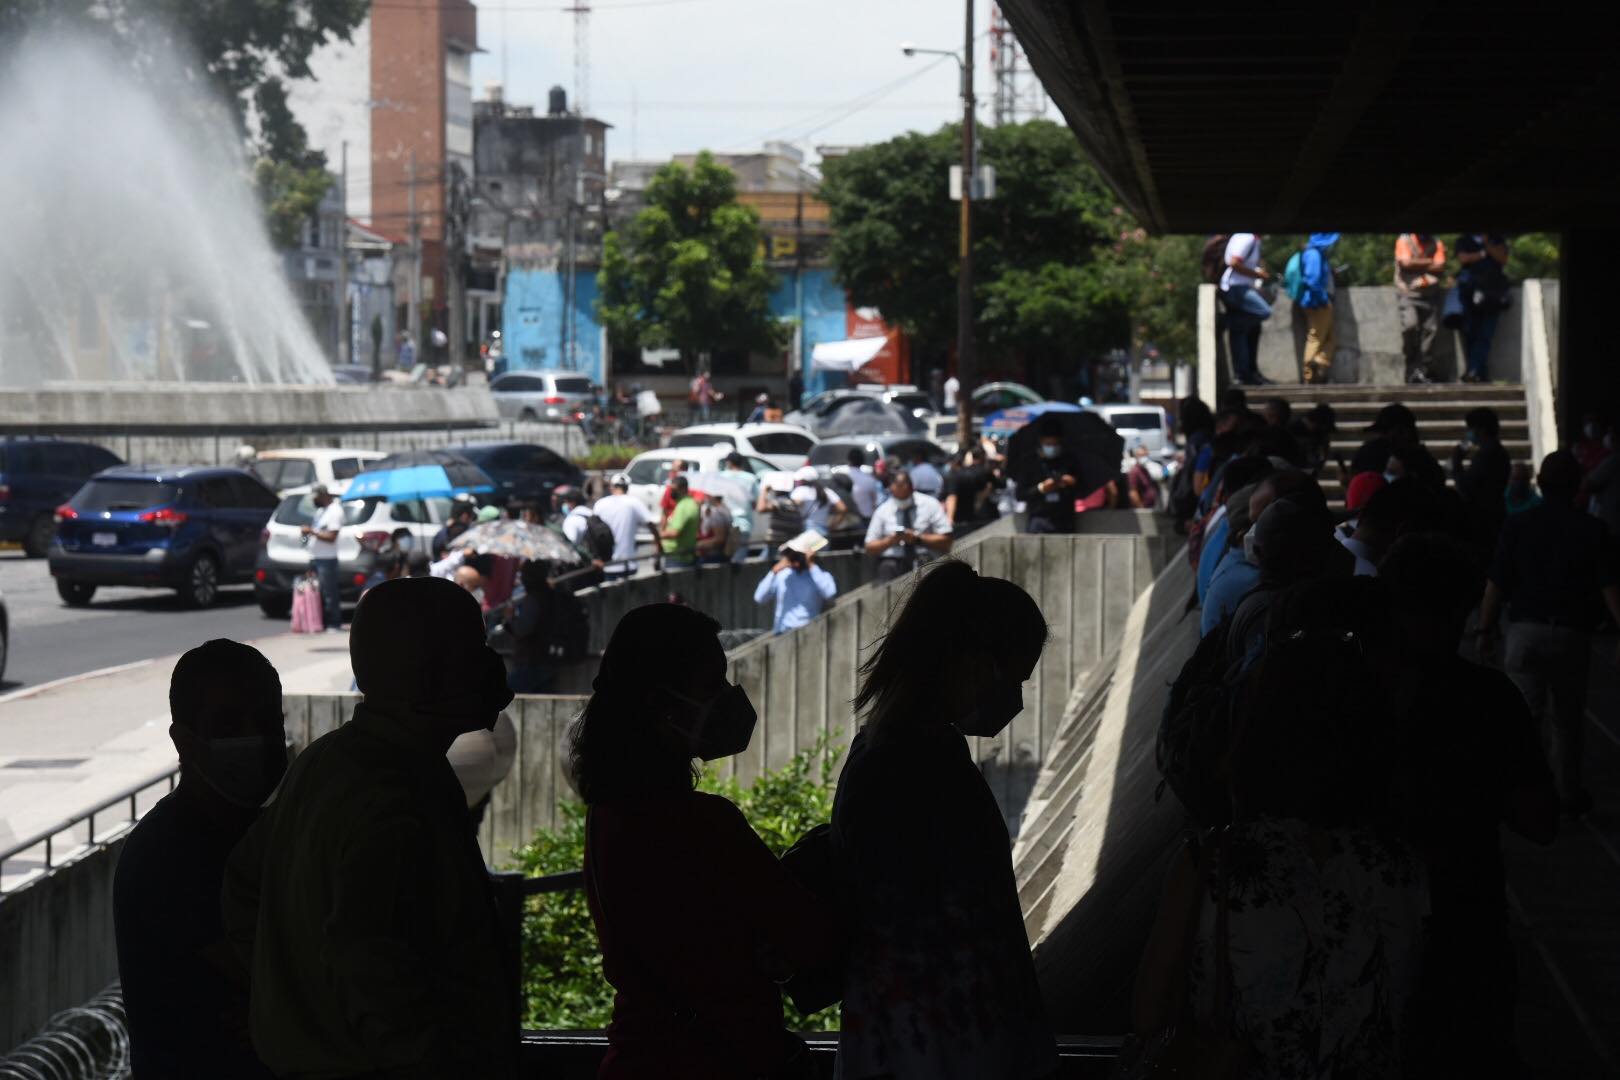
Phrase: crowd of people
x=1429 y=295
x=1354 y=729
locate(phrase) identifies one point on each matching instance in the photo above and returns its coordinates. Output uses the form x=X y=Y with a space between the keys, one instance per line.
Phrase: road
x=51 y=641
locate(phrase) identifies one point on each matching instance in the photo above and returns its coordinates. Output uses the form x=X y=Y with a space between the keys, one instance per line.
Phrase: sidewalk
x=67 y=746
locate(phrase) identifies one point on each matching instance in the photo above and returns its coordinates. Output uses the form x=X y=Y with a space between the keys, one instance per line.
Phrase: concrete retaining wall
x=57 y=947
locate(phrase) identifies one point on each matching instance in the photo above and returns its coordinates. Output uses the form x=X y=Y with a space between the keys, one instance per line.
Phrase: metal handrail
x=47 y=836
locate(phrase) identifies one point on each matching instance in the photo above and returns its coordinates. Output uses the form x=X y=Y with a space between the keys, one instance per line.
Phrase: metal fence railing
x=65 y=841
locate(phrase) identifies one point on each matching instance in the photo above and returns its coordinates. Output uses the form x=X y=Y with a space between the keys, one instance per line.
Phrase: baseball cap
x=781 y=482
x=806 y=472
x=489 y=513
x=619 y=479
x=1363 y=486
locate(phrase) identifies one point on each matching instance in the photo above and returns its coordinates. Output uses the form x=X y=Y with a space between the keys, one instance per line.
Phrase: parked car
x=522 y=472
x=864 y=414
x=995 y=396
x=649 y=472
x=783 y=445
x=550 y=396
x=369 y=524
x=37 y=476
x=294 y=471
x=831 y=453
x=905 y=399
x=190 y=529
x=1148 y=425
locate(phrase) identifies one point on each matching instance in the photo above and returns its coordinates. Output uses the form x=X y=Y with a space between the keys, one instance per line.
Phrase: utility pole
x=344 y=330
x=413 y=316
x=455 y=266
x=964 y=274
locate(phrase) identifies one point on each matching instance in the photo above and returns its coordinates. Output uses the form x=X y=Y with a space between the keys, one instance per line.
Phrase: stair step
x=1334 y=393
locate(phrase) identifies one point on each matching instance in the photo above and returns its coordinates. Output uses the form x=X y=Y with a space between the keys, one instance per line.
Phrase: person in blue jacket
x=1316 y=300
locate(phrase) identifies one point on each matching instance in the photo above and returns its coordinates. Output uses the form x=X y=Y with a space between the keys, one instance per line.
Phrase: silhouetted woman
x=939 y=982
x=697 y=920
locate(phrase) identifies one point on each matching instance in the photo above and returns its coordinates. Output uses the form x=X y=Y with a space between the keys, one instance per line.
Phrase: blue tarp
x=414 y=482
x=1009 y=420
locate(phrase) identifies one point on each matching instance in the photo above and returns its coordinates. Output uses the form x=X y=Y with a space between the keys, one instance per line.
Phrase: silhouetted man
x=359 y=899
x=187 y=1015
x=1480 y=466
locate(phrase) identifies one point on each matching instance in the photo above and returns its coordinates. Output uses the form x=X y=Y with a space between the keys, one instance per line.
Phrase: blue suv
x=37 y=476
x=191 y=529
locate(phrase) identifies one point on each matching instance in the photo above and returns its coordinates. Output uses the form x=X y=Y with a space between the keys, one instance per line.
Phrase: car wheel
x=275 y=607
x=38 y=539
x=528 y=416
x=75 y=594
x=202 y=582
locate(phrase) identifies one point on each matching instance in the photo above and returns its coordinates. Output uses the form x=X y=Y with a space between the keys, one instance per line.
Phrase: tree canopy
x=247 y=52
x=688 y=271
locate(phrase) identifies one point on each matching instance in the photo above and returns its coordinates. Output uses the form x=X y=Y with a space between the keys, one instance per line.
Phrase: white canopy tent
x=850 y=355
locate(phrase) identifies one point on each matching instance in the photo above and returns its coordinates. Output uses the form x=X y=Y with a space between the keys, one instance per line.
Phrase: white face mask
x=1048 y=450
x=1390 y=478
x=1248 y=548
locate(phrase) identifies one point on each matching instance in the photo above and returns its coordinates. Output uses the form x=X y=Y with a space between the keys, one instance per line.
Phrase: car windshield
x=123 y=494
x=830 y=454
x=1135 y=421
x=649 y=471
x=573 y=385
x=693 y=438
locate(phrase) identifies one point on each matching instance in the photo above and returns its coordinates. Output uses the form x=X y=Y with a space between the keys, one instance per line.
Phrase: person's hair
x=1234 y=400
x=679 y=484
x=901 y=679
x=856 y=456
x=737 y=460
x=1193 y=415
x=1281 y=407
x=388 y=562
x=1485 y=421
x=1560 y=475
x=1394 y=508
x=1321 y=728
x=1298 y=487
x=1243 y=471
x=219 y=664
x=1325 y=417
x=533 y=574
x=896 y=475
x=573 y=496
x=1433 y=574
x=613 y=749
x=1049 y=427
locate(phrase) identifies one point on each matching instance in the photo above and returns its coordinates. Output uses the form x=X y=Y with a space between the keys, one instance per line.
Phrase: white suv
x=649 y=472
x=297 y=469
x=783 y=445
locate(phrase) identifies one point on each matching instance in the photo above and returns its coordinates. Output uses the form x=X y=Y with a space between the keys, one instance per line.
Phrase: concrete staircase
x=1439 y=409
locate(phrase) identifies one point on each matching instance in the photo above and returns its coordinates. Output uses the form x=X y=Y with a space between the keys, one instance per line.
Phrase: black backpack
x=1195 y=731
x=599 y=542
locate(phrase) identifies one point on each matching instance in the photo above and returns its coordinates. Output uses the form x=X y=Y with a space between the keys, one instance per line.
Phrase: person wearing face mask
x=939 y=982
x=906 y=527
x=359 y=900
x=697 y=920
x=187 y=1013
x=1047 y=484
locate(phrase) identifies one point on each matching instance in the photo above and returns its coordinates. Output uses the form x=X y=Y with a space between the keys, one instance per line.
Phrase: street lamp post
x=964 y=264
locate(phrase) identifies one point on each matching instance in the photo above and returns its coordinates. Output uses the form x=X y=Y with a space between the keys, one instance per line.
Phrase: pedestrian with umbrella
x=1062 y=457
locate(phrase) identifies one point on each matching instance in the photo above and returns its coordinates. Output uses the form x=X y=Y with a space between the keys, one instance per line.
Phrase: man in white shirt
x=906 y=528
x=953 y=386
x=322 y=535
x=575 y=513
x=625 y=516
x=864 y=488
x=924 y=477
x=1246 y=309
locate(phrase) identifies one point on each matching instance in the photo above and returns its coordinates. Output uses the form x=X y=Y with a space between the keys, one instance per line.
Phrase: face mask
x=995 y=708
x=1049 y=451
x=902 y=504
x=404 y=543
x=719 y=727
x=1390 y=478
x=1248 y=548
x=245 y=770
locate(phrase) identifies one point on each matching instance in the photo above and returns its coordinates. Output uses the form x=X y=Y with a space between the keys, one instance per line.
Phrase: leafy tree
x=563 y=986
x=246 y=50
x=687 y=272
x=1369 y=258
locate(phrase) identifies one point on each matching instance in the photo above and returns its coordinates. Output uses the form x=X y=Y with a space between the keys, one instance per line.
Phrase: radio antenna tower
x=1019 y=94
x=582 y=55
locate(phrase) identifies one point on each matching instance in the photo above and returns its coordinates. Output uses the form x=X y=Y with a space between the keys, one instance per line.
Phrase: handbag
x=307 y=614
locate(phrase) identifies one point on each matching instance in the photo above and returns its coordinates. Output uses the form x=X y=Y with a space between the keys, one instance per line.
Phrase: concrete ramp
x=1090 y=859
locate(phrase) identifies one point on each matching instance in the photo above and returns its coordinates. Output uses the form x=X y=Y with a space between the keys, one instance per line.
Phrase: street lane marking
x=30 y=691
x=1599 y=1046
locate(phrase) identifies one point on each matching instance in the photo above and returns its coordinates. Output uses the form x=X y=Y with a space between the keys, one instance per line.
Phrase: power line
x=848 y=108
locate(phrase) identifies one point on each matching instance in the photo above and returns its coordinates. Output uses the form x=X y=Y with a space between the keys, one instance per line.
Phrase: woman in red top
x=697 y=920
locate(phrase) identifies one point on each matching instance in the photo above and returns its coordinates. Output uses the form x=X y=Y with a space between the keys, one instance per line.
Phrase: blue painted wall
x=824 y=319
x=532 y=323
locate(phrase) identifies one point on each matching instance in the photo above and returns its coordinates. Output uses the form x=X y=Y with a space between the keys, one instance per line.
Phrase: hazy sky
x=729 y=74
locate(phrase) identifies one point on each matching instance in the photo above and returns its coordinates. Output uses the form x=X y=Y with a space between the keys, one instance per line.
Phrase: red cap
x=1363 y=486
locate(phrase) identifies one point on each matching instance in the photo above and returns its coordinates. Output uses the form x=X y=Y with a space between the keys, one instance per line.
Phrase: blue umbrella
x=417 y=482
x=1009 y=420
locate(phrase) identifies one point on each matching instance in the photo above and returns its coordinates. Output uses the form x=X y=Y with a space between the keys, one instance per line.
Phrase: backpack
x=1294 y=277
x=1212 y=262
x=1195 y=730
x=599 y=542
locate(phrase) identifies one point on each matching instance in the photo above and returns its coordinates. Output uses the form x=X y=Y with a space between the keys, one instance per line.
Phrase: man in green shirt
x=680 y=532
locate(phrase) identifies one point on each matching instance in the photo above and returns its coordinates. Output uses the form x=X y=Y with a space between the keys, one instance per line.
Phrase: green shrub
x=563 y=986
x=606 y=457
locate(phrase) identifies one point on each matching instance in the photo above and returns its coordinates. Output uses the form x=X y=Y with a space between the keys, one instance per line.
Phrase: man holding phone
x=800 y=588
x=905 y=527
x=1047 y=484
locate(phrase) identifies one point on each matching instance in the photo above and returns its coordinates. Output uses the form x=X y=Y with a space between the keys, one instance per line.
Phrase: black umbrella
x=1088 y=437
x=461 y=472
x=869 y=417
